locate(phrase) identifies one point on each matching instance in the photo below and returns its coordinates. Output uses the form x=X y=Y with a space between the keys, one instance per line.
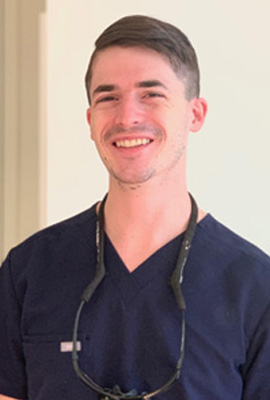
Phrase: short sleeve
x=12 y=365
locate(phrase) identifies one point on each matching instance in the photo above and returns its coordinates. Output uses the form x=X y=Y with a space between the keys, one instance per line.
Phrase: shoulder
x=235 y=271
x=224 y=241
x=55 y=241
x=237 y=263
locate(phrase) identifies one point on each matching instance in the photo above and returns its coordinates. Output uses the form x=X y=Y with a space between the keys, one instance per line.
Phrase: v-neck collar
x=160 y=263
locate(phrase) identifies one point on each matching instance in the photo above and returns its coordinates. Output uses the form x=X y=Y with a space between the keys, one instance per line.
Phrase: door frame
x=23 y=116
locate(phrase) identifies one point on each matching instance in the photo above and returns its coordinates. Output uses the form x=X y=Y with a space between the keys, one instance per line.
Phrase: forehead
x=130 y=64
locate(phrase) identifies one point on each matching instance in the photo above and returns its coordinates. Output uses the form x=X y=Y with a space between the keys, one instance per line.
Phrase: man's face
x=139 y=115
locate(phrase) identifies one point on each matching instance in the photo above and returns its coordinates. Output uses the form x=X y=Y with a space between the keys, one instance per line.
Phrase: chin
x=132 y=179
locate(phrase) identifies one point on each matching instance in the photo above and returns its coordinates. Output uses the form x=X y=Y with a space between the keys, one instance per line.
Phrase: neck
x=143 y=206
x=140 y=220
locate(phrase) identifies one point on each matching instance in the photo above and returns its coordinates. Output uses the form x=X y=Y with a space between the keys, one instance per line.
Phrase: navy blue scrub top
x=130 y=331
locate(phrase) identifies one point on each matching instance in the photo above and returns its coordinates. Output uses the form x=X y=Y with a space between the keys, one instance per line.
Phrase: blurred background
x=49 y=168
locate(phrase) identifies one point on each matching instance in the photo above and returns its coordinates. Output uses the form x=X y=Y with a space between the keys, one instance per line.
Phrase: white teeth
x=132 y=142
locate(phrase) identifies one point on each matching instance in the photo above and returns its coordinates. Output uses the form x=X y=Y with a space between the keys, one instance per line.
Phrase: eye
x=106 y=99
x=151 y=95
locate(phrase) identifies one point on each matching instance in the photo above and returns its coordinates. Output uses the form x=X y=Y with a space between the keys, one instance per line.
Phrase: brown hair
x=162 y=37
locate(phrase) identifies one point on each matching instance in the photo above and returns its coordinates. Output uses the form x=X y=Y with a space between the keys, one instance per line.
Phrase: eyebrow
x=151 y=83
x=104 y=88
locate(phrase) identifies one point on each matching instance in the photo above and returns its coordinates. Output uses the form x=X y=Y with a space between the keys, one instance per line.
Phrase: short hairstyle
x=162 y=37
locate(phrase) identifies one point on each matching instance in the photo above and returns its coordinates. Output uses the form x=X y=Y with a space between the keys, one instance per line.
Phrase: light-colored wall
x=229 y=164
x=22 y=122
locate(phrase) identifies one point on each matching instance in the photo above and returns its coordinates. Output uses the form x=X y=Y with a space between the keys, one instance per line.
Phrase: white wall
x=229 y=164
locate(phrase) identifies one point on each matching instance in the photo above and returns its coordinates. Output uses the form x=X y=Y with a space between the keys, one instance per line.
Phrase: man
x=143 y=90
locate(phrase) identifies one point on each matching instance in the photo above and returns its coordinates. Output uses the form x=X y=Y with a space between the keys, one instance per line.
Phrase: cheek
x=100 y=121
x=182 y=123
x=94 y=127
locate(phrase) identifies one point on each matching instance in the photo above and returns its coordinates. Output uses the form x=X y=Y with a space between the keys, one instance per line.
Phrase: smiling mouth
x=132 y=142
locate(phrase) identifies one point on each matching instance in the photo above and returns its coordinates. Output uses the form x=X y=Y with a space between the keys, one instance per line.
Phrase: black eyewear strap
x=176 y=280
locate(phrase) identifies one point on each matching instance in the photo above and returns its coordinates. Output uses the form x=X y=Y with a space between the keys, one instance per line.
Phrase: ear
x=199 y=111
x=88 y=117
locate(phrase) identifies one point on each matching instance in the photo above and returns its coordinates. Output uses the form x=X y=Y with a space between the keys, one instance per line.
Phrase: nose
x=128 y=112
